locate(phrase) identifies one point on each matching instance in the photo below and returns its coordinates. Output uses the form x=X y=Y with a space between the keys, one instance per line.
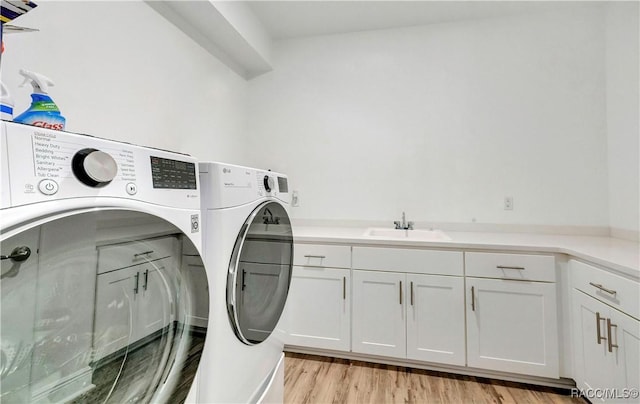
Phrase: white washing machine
x=98 y=303
x=248 y=251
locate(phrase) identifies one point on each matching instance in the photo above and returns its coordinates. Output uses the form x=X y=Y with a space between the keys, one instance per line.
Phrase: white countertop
x=620 y=255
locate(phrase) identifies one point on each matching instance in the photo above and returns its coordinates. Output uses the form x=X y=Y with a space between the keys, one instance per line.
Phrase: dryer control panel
x=40 y=165
x=228 y=185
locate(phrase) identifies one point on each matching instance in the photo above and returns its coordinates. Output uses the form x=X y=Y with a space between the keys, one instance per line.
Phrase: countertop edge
x=625 y=270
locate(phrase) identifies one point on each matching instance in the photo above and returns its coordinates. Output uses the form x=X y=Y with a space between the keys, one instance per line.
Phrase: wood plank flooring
x=317 y=380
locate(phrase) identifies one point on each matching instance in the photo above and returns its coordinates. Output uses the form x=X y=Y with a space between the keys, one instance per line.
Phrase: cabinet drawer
x=318 y=255
x=511 y=266
x=408 y=260
x=616 y=291
x=134 y=253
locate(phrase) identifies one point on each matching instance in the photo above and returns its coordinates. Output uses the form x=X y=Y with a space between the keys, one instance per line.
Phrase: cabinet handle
x=344 y=288
x=146 y=279
x=598 y=319
x=509 y=267
x=244 y=285
x=315 y=256
x=602 y=288
x=412 y=293
x=135 y=290
x=609 y=326
x=143 y=253
x=400 y=292
x=473 y=299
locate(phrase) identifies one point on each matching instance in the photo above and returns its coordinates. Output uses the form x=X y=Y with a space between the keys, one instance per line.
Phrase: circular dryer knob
x=93 y=167
x=268 y=183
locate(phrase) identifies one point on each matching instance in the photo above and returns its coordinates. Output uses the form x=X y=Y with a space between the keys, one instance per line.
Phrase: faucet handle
x=398 y=225
x=410 y=225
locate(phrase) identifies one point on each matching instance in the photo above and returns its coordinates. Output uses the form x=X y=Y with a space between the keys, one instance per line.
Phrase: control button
x=132 y=188
x=48 y=187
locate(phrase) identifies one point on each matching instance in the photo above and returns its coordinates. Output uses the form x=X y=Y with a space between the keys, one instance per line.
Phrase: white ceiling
x=292 y=19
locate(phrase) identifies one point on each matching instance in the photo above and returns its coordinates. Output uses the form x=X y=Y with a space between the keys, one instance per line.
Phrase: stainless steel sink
x=416 y=234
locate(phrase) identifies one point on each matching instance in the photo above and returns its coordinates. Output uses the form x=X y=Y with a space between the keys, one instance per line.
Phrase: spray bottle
x=43 y=112
x=6 y=104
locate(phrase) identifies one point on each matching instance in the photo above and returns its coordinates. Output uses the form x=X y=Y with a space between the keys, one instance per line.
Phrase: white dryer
x=97 y=303
x=248 y=251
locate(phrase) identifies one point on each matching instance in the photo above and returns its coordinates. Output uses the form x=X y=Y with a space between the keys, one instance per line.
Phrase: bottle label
x=48 y=106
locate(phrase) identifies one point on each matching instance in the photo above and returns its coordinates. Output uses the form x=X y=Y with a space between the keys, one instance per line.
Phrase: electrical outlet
x=295 y=201
x=508 y=203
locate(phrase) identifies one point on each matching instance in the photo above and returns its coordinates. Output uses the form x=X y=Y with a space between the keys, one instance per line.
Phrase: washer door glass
x=102 y=306
x=260 y=273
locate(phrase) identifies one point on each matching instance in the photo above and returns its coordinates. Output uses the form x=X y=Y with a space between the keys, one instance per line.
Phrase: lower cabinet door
x=154 y=308
x=379 y=313
x=512 y=326
x=435 y=319
x=591 y=361
x=116 y=306
x=624 y=333
x=317 y=313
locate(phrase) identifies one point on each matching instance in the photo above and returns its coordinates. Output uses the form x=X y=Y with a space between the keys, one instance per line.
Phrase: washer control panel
x=41 y=164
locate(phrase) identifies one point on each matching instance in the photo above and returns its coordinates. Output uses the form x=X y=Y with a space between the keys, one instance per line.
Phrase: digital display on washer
x=282 y=184
x=172 y=174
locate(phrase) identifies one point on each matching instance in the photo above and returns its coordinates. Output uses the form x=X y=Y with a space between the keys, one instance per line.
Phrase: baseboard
x=624 y=234
x=561 y=383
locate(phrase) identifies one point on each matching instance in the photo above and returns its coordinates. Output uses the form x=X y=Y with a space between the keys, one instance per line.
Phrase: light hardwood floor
x=317 y=379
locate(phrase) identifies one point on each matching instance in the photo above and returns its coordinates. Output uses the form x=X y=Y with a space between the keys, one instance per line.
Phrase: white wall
x=442 y=121
x=623 y=108
x=123 y=72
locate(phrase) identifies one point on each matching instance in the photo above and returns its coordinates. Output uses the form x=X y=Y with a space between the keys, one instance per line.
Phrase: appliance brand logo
x=226 y=170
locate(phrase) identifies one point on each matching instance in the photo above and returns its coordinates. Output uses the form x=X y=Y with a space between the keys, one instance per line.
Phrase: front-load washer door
x=260 y=273
x=100 y=307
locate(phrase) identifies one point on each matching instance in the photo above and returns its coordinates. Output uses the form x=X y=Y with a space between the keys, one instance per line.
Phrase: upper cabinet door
x=512 y=326
x=379 y=313
x=435 y=319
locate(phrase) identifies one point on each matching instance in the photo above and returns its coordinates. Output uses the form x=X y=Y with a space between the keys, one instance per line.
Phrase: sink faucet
x=404 y=225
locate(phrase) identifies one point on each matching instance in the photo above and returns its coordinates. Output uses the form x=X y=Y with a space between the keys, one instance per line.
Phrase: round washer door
x=260 y=273
x=107 y=306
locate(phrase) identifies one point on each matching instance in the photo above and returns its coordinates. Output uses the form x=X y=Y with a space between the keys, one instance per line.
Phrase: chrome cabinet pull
x=473 y=299
x=244 y=285
x=610 y=341
x=137 y=276
x=143 y=253
x=598 y=319
x=146 y=279
x=412 y=293
x=315 y=256
x=602 y=288
x=344 y=288
x=400 y=292
x=509 y=267
x=18 y=254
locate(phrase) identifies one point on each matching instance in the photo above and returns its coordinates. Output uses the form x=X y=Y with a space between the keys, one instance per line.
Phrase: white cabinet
x=512 y=326
x=318 y=309
x=512 y=313
x=606 y=341
x=132 y=301
x=379 y=313
x=435 y=319
x=418 y=316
